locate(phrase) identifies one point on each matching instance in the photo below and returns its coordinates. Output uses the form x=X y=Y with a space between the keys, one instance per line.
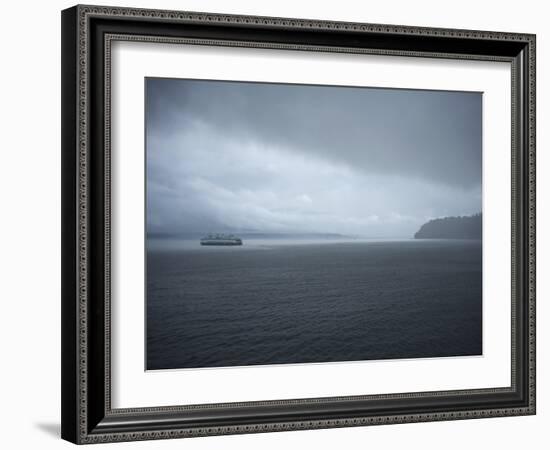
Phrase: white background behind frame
x=134 y=387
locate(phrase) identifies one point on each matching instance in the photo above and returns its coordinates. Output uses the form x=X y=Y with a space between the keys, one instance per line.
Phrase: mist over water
x=280 y=303
x=179 y=244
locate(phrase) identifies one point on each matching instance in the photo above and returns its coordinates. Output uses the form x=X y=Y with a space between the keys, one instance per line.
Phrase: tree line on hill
x=462 y=227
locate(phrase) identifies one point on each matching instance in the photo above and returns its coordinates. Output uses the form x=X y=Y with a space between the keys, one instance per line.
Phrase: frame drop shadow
x=51 y=428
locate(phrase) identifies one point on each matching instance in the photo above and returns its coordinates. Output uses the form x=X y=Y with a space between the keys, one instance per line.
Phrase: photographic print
x=298 y=200
x=292 y=224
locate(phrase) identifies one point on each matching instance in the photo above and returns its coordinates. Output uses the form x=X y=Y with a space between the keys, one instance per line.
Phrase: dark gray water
x=277 y=304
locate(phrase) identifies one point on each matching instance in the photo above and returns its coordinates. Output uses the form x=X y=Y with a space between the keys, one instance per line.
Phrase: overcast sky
x=230 y=156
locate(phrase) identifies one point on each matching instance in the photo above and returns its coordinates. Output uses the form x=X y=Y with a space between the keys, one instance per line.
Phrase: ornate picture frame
x=88 y=33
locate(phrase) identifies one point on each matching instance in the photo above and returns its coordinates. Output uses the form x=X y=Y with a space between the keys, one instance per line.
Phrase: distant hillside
x=247 y=235
x=465 y=227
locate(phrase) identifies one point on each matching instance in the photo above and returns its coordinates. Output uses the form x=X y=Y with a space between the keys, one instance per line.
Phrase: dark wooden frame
x=87 y=32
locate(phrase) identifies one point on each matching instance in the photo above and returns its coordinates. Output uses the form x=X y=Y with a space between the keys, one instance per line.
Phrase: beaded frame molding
x=87 y=35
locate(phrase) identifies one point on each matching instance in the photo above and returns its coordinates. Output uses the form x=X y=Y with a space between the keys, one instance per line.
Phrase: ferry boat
x=221 y=239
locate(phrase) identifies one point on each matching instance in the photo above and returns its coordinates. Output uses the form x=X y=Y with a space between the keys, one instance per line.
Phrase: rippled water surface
x=279 y=302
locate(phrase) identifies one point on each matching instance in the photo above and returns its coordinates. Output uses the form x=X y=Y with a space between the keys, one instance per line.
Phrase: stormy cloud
x=236 y=156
